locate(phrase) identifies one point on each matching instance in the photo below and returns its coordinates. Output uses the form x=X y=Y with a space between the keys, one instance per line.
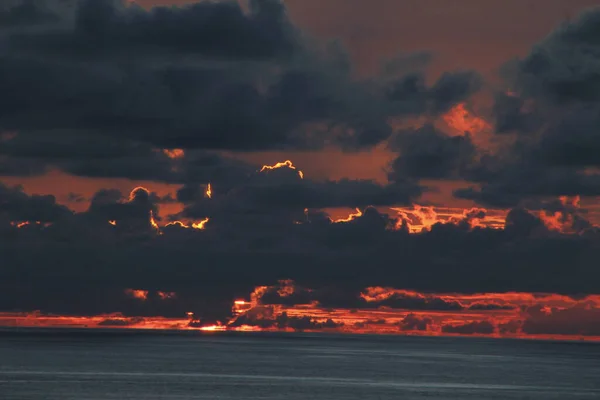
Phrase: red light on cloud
x=421 y=218
x=174 y=153
x=514 y=315
x=166 y=295
x=461 y=120
x=137 y=294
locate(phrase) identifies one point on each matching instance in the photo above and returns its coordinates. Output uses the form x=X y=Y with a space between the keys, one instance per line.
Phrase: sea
x=126 y=365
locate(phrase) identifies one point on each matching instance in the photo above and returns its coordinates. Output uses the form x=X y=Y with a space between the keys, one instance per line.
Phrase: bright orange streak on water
x=209 y=191
x=113 y=222
x=286 y=163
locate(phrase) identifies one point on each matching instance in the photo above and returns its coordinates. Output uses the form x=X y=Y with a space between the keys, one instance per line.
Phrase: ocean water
x=97 y=365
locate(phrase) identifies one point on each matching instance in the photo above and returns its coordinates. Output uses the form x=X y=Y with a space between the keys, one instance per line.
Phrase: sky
x=393 y=166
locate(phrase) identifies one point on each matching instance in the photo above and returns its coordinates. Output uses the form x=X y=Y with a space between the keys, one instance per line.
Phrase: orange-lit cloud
x=421 y=218
x=137 y=294
x=349 y=218
x=460 y=120
x=195 y=225
x=286 y=163
x=166 y=295
x=511 y=315
x=174 y=153
x=562 y=221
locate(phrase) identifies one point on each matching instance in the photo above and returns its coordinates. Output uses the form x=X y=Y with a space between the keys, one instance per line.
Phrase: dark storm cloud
x=99 y=156
x=26 y=13
x=95 y=112
x=551 y=107
x=513 y=114
x=209 y=75
x=577 y=320
x=512 y=182
x=409 y=93
x=92 y=156
x=573 y=141
x=283 y=192
x=10 y=166
x=132 y=213
x=562 y=69
x=211 y=267
x=427 y=153
x=16 y=205
x=514 y=189
x=104 y=28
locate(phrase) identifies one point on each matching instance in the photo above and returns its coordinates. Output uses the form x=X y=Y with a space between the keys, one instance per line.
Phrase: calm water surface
x=102 y=365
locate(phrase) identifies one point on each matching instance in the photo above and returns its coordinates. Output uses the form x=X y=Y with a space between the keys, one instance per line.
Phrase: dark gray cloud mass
x=101 y=81
x=427 y=153
x=74 y=264
x=551 y=106
x=100 y=88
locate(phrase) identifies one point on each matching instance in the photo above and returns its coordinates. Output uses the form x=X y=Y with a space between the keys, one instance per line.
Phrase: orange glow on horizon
x=495 y=315
x=286 y=163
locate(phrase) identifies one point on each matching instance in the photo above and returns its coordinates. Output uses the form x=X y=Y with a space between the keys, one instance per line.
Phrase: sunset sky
x=420 y=167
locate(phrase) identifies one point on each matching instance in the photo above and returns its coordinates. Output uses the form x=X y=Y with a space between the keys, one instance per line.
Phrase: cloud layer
x=107 y=89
